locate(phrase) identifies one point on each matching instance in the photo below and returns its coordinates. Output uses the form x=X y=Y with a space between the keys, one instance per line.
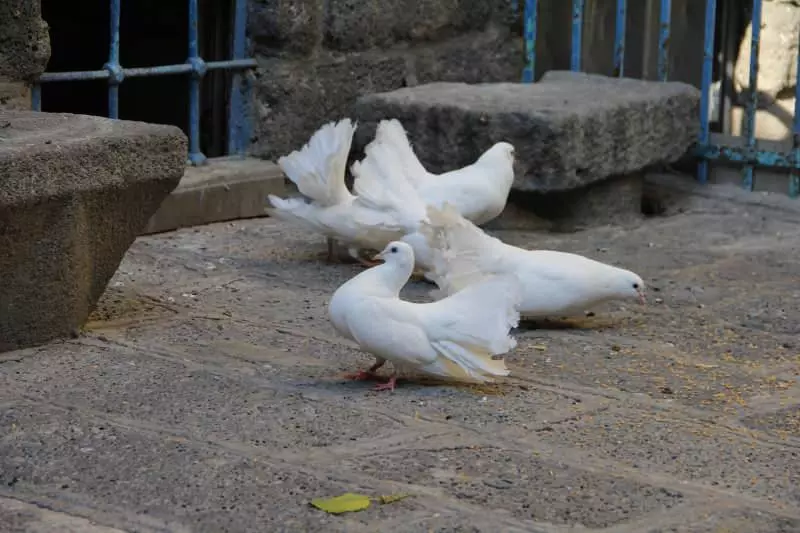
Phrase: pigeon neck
x=393 y=277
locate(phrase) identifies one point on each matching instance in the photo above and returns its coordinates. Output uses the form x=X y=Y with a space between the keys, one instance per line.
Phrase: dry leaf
x=393 y=498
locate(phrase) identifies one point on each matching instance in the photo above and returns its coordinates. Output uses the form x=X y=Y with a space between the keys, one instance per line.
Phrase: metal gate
x=749 y=156
x=195 y=67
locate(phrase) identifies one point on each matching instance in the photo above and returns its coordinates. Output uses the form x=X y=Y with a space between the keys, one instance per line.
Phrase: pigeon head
x=630 y=286
x=397 y=253
x=501 y=152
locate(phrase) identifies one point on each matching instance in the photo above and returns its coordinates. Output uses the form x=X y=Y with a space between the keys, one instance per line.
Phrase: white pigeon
x=479 y=191
x=384 y=208
x=553 y=284
x=455 y=338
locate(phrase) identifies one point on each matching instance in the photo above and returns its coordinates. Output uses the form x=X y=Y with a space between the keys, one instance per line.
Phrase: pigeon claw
x=389 y=385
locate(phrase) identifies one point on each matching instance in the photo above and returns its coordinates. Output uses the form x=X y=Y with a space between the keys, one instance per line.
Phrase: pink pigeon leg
x=389 y=385
x=331 y=250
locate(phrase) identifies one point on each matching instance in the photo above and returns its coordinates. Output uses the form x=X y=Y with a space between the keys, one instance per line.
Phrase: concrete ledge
x=675 y=193
x=224 y=189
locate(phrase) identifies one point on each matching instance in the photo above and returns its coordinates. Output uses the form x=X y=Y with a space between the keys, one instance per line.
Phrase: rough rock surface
x=75 y=191
x=294 y=97
x=24 y=42
x=280 y=27
x=24 y=50
x=569 y=130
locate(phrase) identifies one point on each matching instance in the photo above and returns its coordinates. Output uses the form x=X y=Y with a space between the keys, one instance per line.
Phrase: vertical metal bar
x=647 y=53
x=794 y=177
x=577 y=34
x=531 y=12
x=196 y=157
x=36 y=97
x=249 y=80
x=237 y=115
x=113 y=67
x=752 y=97
x=708 y=68
x=619 y=38
x=663 y=39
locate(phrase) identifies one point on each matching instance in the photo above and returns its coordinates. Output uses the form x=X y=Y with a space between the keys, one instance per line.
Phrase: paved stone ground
x=207 y=396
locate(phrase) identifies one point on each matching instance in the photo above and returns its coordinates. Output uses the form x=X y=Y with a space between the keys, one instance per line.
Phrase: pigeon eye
x=393 y=249
x=635 y=285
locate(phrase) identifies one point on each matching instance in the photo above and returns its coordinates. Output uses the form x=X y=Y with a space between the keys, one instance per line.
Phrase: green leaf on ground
x=346 y=503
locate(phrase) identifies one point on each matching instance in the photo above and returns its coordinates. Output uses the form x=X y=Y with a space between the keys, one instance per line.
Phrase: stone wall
x=24 y=50
x=318 y=56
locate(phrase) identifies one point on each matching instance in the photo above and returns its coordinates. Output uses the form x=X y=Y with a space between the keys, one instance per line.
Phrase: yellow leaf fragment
x=391 y=498
x=346 y=503
x=540 y=347
x=703 y=366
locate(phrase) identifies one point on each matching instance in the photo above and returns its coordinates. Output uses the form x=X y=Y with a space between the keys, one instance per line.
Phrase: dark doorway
x=152 y=33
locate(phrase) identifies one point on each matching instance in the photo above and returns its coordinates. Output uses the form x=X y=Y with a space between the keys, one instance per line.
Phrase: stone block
x=75 y=191
x=294 y=98
x=280 y=26
x=363 y=24
x=569 y=130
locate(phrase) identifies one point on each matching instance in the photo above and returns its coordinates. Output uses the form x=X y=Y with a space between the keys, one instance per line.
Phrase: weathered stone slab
x=75 y=191
x=569 y=129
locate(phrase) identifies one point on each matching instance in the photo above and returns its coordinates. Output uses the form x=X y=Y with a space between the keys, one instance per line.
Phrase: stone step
x=224 y=189
x=75 y=191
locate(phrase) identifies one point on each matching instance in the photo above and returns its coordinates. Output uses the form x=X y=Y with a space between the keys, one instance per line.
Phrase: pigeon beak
x=378 y=257
x=642 y=299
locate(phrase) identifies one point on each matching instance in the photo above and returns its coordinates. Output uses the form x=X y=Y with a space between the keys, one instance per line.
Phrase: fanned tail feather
x=486 y=312
x=457 y=250
x=392 y=133
x=381 y=185
x=318 y=168
x=296 y=210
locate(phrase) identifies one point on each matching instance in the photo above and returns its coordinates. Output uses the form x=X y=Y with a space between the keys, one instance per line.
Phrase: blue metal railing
x=195 y=66
x=749 y=155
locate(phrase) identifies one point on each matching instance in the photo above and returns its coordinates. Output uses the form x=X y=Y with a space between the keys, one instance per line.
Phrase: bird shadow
x=417 y=384
x=589 y=322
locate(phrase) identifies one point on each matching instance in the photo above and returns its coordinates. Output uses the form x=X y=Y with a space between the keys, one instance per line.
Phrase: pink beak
x=642 y=299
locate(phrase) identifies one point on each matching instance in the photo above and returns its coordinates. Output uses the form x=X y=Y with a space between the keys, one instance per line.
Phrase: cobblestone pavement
x=207 y=395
